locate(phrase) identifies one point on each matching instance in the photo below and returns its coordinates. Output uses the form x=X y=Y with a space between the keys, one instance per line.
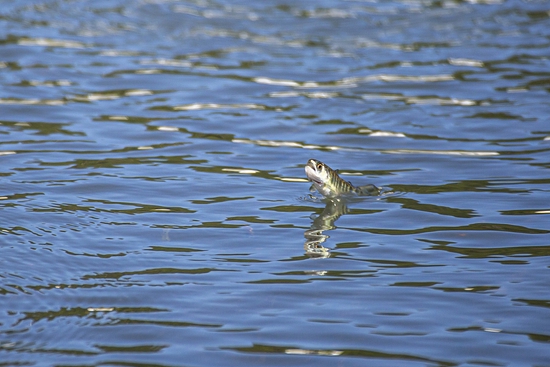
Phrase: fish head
x=318 y=173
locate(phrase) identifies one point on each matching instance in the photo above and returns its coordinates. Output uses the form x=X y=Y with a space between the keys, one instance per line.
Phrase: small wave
x=385 y=192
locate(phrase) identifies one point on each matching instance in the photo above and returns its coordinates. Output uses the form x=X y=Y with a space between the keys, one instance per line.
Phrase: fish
x=330 y=184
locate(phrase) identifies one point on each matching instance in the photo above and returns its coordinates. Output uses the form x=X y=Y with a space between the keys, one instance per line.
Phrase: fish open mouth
x=311 y=175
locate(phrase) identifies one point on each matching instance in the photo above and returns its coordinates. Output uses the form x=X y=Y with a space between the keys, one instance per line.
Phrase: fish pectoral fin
x=368 y=190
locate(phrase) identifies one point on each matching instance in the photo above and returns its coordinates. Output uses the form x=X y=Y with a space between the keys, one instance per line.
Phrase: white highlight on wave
x=207 y=106
x=303 y=94
x=50 y=42
x=441 y=152
x=167 y=62
x=387 y=134
x=241 y=170
x=293 y=144
x=32 y=101
x=314 y=352
x=105 y=96
x=425 y=101
x=167 y=128
x=274 y=143
x=465 y=62
x=354 y=81
x=293 y=179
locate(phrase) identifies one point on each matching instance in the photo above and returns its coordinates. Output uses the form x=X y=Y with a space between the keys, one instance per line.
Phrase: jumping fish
x=329 y=184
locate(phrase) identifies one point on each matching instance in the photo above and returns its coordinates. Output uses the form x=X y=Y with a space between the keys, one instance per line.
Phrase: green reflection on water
x=481 y=253
x=82 y=312
x=431 y=208
x=286 y=350
x=42 y=128
x=153 y=271
x=219 y=199
x=123 y=161
x=137 y=208
x=500 y=227
x=131 y=349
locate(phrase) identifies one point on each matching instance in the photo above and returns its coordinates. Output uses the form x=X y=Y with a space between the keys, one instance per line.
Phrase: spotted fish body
x=330 y=184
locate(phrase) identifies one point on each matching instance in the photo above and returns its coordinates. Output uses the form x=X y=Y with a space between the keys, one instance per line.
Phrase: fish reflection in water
x=315 y=237
x=327 y=182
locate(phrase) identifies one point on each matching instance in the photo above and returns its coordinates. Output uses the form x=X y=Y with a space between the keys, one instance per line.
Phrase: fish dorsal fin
x=337 y=171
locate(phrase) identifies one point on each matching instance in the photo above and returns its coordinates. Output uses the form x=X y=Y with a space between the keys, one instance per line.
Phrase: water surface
x=154 y=207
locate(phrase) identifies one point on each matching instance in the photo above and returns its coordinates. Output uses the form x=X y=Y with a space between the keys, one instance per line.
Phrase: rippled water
x=154 y=207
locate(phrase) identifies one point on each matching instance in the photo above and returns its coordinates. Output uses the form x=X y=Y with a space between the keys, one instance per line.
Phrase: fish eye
x=319 y=166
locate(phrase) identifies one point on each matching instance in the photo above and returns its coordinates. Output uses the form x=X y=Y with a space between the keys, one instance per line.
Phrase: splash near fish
x=330 y=184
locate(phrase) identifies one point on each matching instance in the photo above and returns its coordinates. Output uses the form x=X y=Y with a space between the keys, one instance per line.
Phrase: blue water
x=154 y=205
